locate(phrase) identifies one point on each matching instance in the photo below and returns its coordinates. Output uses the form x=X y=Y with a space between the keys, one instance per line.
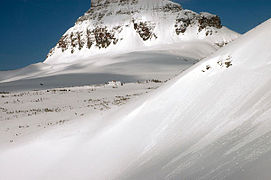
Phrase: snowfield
x=157 y=62
x=210 y=122
x=25 y=113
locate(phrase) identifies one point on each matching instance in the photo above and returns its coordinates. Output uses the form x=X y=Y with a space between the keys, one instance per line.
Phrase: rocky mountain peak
x=117 y=25
x=143 y=3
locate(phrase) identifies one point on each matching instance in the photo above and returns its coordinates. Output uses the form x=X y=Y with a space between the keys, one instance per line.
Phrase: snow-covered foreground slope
x=158 y=62
x=211 y=122
x=24 y=114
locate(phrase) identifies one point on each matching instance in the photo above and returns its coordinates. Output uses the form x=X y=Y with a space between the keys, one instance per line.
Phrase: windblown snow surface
x=211 y=122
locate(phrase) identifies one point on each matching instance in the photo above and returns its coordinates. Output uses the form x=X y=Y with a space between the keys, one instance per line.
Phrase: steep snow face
x=213 y=122
x=125 y=25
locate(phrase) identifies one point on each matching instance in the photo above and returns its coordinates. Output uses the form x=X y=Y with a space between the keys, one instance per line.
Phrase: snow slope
x=211 y=122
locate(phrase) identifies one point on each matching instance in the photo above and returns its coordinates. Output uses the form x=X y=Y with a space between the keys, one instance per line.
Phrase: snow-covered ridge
x=125 y=25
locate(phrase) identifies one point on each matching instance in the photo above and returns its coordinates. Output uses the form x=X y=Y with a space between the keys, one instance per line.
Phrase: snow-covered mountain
x=128 y=25
x=124 y=40
x=211 y=122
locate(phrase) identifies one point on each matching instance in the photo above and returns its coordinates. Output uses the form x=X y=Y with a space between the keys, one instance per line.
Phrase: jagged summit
x=141 y=4
x=144 y=3
x=125 y=25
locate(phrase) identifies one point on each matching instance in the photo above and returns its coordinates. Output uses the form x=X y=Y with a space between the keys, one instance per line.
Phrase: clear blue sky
x=30 y=28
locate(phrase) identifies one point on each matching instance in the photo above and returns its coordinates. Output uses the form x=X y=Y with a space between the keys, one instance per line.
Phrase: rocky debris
x=89 y=41
x=221 y=44
x=209 y=32
x=223 y=63
x=124 y=2
x=101 y=15
x=76 y=41
x=206 y=68
x=181 y=25
x=62 y=43
x=103 y=37
x=51 y=52
x=203 y=20
x=145 y=30
x=173 y=8
x=134 y=2
x=73 y=39
x=228 y=64
x=80 y=42
x=127 y=12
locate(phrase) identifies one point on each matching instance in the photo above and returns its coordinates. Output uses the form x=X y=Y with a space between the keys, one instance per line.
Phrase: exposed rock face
x=185 y=19
x=145 y=30
x=110 y=22
x=210 y=20
x=104 y=37
x=203 y=20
